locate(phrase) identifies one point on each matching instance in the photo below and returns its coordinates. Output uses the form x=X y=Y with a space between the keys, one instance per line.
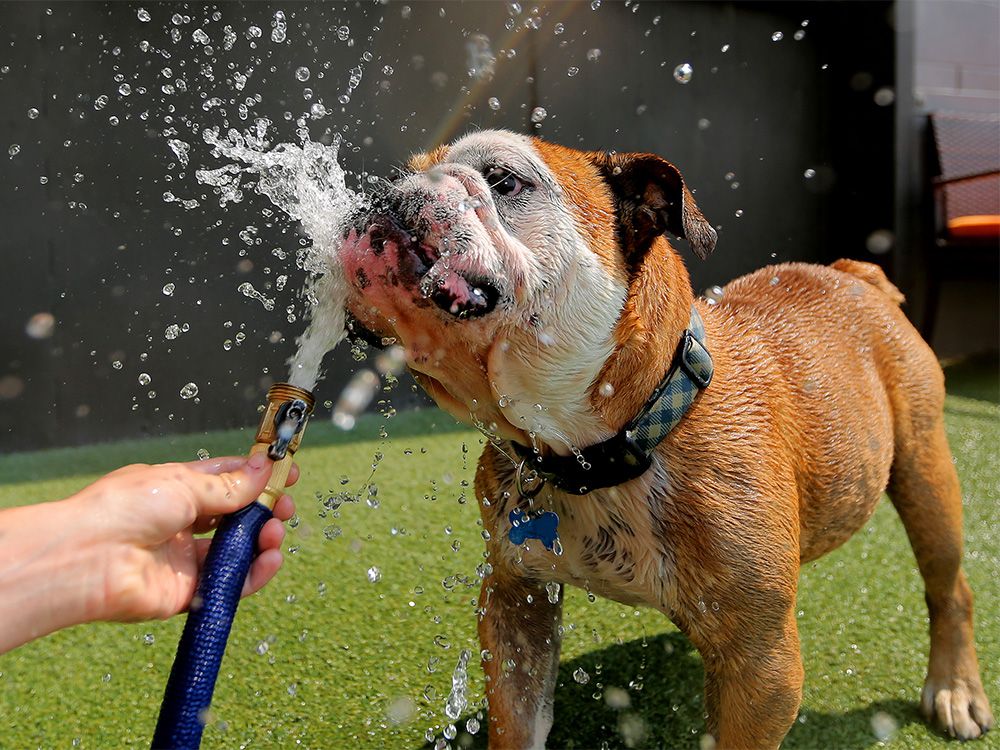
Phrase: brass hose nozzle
x=280 y=434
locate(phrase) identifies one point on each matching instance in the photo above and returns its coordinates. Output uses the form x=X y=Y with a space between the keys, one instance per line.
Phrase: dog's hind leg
x=925 y=490
x=519 y=630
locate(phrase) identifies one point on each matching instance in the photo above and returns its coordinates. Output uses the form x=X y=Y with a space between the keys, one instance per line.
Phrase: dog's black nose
x=471 y=297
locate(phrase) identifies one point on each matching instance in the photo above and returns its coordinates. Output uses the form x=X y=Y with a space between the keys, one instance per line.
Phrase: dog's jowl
x=646 y=445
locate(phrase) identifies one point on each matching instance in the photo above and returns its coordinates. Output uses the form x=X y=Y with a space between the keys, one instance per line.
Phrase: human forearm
x=50 y=571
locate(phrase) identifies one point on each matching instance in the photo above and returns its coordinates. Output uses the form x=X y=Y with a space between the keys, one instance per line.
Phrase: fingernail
x=257 y=462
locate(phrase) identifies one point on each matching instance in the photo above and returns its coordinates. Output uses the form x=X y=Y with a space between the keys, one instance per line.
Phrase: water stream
x=306 y=182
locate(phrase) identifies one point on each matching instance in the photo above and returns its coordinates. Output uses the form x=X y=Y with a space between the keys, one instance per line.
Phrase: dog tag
x=542 y=526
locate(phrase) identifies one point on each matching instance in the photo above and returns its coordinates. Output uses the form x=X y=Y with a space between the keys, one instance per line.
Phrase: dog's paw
x=958 y=707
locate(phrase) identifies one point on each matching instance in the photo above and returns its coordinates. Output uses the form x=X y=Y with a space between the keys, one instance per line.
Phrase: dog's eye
x=503 y=181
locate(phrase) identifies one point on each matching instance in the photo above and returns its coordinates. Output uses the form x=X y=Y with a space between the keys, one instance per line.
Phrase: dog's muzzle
x=457 y=292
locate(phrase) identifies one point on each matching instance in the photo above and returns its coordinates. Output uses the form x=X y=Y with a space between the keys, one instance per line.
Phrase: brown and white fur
x=544 y=306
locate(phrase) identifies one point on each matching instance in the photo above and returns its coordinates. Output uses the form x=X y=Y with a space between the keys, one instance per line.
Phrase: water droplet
x=32 y=113
x=189 y=390
x=580 y=676
x=616 y=698
x=40 y=325
x=713 y=295
x=538 y=114
x=472 y=725
x=880 y=241
x=595 y=4
x=809 y=174
x=246 y=288
x=200 y=36
x=279 y=27
x=884 y=96
x=262 y=647
x=302 y=73
x=883 y=725
x=593 y=55
x=683 y=73
x=739 y=212
x=143 y=15
x=144 y=378
x=374 y=574
x=606 y=390
x=777 y=36
x=552 y=589
x=117 y=364
x=799 y=35
x=14 y=149
x=172 y=331
x=572 y=71
x=148 y=639
x=344 y=33
x=124 y=89
x=202 y=454
x=168 y=289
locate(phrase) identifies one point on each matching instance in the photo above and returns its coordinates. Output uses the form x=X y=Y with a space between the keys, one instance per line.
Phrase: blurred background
x=809 y=131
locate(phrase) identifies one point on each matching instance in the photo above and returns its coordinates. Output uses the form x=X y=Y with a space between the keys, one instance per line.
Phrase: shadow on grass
x=663 y=677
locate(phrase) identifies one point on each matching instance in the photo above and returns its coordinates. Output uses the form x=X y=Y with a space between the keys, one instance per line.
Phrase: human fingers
x=263 y=569
x=271 y=535
x=218 y=490
x=284 y=508
x=230 y=463
x=217 y=465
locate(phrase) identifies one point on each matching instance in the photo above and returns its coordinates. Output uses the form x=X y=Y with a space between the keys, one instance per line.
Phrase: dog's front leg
x=519 y=632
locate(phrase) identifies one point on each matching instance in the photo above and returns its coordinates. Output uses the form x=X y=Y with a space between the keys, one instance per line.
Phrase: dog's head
x=507 y=266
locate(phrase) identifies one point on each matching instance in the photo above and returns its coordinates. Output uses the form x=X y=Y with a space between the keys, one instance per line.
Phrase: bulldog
x=661 y=450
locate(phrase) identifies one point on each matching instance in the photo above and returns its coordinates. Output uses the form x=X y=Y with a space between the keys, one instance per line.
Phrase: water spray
x=188 y=695
x=306 y=182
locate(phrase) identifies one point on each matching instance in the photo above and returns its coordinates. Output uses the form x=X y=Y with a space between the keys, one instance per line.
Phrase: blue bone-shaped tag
x=543 y=527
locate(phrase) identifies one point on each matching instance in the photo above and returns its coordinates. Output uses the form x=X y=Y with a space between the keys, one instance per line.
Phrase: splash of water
x=457 y=700
x=305 y=181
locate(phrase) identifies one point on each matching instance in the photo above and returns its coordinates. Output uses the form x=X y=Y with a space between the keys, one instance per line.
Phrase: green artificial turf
x=323 y=658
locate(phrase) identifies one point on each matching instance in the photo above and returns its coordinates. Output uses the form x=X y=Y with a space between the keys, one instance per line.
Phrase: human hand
x=148 y=516
x=124 y=548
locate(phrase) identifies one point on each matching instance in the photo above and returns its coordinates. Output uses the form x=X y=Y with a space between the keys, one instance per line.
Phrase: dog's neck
x=656 y=312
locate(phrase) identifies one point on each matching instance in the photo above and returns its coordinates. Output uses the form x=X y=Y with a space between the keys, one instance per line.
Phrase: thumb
x=229 y=484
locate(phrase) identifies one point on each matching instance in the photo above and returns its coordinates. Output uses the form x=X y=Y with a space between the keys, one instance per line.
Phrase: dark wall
x=95 y=244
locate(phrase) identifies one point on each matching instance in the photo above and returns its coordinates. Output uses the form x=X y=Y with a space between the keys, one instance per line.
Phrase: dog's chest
x=609 y=542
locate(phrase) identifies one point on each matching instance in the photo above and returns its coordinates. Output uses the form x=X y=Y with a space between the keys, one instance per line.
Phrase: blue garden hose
x=188 y=694
x=199 y=653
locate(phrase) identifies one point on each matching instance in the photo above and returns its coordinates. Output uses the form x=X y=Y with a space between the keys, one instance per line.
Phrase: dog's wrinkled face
x=501 y=265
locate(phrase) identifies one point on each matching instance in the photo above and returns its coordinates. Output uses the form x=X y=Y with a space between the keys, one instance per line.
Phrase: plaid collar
x=629 y=453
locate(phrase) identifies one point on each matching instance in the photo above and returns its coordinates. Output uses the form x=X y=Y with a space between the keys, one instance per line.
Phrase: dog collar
x=629 y=453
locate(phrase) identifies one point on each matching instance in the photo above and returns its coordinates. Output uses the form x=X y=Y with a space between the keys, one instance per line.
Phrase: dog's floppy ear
x=651 y=198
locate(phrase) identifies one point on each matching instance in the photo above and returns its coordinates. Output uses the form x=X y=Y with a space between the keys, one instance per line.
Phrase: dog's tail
x=872 y=274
